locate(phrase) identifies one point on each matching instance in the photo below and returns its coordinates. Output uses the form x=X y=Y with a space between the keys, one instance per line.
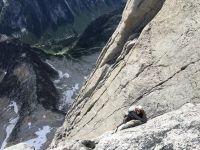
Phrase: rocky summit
x=152 y=59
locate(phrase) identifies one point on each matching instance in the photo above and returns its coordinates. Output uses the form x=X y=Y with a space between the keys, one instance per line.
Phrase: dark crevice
x=140 y=3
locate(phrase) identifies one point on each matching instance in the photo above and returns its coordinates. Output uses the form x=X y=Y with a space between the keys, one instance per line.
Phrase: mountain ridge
x=21 y=17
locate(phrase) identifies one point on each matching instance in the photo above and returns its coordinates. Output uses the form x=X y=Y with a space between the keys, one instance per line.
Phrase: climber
x=134 y=117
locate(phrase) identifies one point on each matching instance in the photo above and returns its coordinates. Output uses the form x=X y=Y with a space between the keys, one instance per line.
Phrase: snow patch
x=71 y=76
x=40 y=139
x=12 y=123
x=50 y=65
x=14 y=105
x=29 y=125
x=60 y=73
x=2 y=75
x=63 y=75
x=9 y=129
x=24 y=30
x=68 y=94
x=5 y=2
x=23 y=55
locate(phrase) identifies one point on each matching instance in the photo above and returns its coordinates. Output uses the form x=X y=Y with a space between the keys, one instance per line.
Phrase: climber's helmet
x=138 y=109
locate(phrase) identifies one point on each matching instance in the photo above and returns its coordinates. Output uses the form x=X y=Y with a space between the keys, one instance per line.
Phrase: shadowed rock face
x=38 y=15
x=95 y=36
x=28 y=98
x=152 y=59
x=21 y=64
x=92 y=40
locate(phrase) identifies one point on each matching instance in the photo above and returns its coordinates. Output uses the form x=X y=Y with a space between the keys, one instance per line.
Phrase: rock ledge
x=178 y=129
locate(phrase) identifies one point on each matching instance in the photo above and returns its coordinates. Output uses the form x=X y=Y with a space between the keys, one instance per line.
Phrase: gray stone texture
x=160 y=72
x=176 y=130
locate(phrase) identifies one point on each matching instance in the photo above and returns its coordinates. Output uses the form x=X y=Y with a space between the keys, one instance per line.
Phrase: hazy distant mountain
x=36 y=16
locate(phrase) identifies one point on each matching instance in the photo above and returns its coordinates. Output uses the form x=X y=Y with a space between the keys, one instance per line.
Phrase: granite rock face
x=174 y=130
x=152 y=59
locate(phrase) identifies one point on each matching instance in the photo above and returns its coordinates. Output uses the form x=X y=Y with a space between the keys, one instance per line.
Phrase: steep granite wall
x=174 y=130
x=157 y=67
